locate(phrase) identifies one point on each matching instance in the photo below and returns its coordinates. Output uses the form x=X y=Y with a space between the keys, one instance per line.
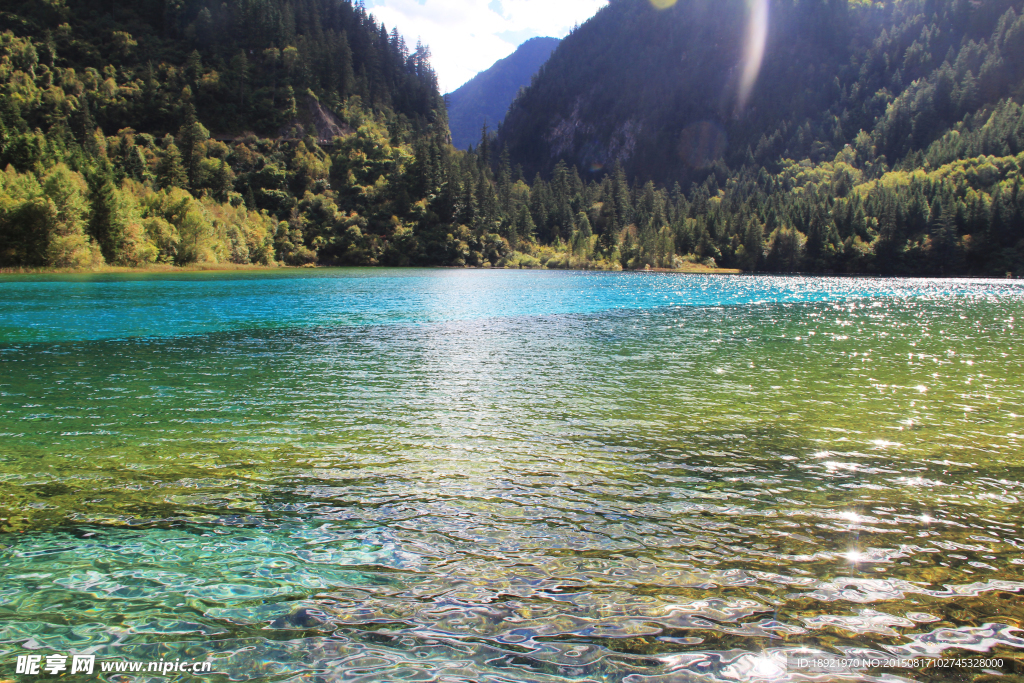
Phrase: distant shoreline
x=234 y=267
x=693 y=268
x=160 y=268
x=688 y=269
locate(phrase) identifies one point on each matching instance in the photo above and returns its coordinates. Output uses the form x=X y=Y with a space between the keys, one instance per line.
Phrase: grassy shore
x=153 y=268
x=696 y=268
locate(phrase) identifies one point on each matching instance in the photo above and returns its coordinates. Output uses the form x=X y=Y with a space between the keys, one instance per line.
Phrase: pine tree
x=483 y=151
x=170 y=172
x=222 y=181
x=191 y=135
x=103 y=224
x=753 y=244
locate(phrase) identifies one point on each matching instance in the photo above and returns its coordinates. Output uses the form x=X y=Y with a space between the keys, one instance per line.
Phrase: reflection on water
x=680 y=478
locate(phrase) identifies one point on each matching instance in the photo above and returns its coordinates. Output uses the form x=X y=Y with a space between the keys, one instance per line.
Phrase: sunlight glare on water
x=510 y=476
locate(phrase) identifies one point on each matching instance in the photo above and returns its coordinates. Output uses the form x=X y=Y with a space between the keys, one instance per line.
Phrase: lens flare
x=753 y=48
x=663 y=4
x=701 y=144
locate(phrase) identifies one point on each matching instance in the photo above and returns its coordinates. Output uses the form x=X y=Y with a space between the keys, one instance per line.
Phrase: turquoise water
x=64 y=308
x=454 y=475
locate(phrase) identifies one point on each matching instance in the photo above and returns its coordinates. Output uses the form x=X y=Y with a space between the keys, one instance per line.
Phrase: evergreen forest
x=878 y=138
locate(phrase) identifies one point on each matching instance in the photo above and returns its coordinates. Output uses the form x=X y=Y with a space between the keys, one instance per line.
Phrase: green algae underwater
x=441 y=475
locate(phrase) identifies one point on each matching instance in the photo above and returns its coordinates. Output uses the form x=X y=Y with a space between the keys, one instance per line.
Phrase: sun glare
x=753 y=48
x=766 y=667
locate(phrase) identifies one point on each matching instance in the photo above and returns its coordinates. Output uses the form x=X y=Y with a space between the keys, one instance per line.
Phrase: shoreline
x=235 y=267
x=158 y=268
x=165 y=269
x=693 y=269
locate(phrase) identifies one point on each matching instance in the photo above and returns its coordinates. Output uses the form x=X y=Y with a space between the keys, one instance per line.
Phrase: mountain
x=662 y=91
x=485 y=97
x=823 y=135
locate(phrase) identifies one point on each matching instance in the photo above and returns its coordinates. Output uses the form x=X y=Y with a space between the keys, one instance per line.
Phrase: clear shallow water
x=506 y=476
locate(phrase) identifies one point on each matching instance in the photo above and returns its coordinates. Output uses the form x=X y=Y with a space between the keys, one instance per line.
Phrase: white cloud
x=467 y=36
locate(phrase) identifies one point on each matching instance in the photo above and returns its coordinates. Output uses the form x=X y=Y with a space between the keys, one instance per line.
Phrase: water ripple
x=489 y=477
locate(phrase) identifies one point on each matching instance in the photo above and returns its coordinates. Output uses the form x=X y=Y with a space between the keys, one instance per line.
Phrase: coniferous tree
x=171 y=172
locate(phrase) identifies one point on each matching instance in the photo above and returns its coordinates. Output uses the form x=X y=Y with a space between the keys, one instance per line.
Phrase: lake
x=459 y=475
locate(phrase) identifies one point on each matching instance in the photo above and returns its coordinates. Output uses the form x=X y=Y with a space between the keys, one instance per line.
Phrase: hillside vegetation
x=878 y=138
x=183 y=131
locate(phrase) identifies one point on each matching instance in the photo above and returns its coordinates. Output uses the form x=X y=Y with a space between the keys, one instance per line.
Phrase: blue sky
x=467 y=36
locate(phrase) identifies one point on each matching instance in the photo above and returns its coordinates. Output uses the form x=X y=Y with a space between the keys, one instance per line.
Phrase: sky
x=468 y=36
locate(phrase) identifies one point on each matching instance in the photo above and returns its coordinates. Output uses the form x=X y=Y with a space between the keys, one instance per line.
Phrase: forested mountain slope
x=877 y=138
x=241 y=64
x=484 y=99
x=185 y=130
x=859 y=140
x=636 y=84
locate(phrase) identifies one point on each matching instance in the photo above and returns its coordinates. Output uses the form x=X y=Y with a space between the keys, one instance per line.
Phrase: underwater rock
x=302 y=618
